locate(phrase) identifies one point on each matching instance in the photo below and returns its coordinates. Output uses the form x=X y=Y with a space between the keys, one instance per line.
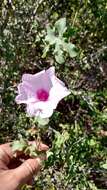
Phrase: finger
x=6 y=153
x=25 y=171
x=30 y=181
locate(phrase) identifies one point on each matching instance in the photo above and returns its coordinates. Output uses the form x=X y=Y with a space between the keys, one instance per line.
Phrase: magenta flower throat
x=42 y=95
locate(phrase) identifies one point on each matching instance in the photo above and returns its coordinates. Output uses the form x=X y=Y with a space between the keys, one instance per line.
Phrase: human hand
x=14 y=173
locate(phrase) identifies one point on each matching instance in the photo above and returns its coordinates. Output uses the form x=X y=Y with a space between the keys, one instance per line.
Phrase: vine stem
x=74 y=19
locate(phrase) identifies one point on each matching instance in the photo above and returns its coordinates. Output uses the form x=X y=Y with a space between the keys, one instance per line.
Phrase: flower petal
x=38 y=81
x=51 y=71
x=31 y=110
x=26 y=93
x=46 y=113
x=41 y=109
x=29 y=77
x=22 y=97
x=57 y=93
x=54 y=79
x=41 y=82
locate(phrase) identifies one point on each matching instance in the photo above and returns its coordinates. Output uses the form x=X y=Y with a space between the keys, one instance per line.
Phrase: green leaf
x=50 y=37
x=42 y=121
x=60 y=25
x=31 y=150
x=58 y=43
x=66 y=135
x=59 y=54
x=92 y=142
x=59 y=140
x=70 y=48
x=104 y=165
x=49 y=153
x=92 y=186
x=59 y=58
x=19 y=145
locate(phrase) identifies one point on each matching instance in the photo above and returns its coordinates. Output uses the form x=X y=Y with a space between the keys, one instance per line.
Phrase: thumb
x=26 y=170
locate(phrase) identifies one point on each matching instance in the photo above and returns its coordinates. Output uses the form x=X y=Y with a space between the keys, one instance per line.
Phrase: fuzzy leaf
x=49 y=153
x=70 y=49
x=19 y=145
x=59 y=58
x=104 y=166
x=50 y=37
x=60 y=25
x=42 y=121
